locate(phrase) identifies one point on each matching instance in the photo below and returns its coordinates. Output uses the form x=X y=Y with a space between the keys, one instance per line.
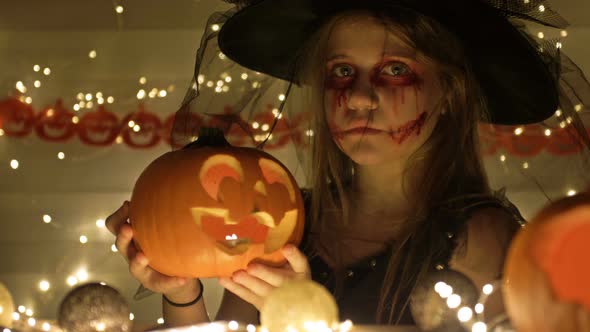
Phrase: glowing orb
x=94 y=308
x=6 y=307
x=299 y=305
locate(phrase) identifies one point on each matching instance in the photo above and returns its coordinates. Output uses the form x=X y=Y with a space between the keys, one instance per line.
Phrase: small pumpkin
x=547 y=275
x=209 y=209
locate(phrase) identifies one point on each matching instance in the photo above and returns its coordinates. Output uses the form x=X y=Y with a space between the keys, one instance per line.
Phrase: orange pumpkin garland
x=209 y=209
x=547 y=275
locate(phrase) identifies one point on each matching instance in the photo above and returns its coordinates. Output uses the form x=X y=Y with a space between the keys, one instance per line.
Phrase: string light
x=487 y=289
x=82 y=275
x=47 y=71
x=131 y=316
x=100 y=223
x=110 y=100
x=14 y=164
x=578 y=107
x=29 y=312
x=221 y=56
x=76 y=107
x=571 y=192
x=210 y=84
x=201 y=79
x=479 y=327
x=21 y=309
x=32 y=322
x=119 y=9
x=61 y=155
x=89 y=104
x=142 y=80
x=525 y=165
x=502 y=158
x=136 y=128
x=215 y=27
x=464 y=314
x=114 y=248
x=44 y=285
x=37 y=84
x=36 y=68
x=563 y=33
x=541 y=35
x=518 y=131
x=547 y=132
x=98 y=95
x=80 y=96
x=46 y=218
x=21 y=87
x=72 y=280
x=453 y=301
x=141 y=94
x=92 y=54
x=28 y=100
x=558 y=45
x=1 y=132
x=162 y=93
x=160 y=321
x=119 y=140
x=83 y=239
x=541 y=8
x=15 y=316
x=244 y=76
x=479 y=308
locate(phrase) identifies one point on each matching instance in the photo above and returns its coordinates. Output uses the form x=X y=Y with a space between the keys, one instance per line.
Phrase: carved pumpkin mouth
x=235 y=237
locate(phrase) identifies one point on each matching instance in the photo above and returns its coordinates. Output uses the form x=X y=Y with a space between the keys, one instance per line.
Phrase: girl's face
x=379 y=99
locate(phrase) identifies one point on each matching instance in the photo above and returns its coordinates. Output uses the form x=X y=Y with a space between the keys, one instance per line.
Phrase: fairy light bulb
x=218 y=89
x=76 y=107
x=215 y=27
x=98 y=95
x=160 y=321
x=558 y=45
x=119 y=140
x=464 y=314
x=37 y=84
x=28 y=100
x=46 y=326
x=136 y=128
x=547 y=132
x=141 y=94
x=228 y=79
x=29 y=312
x=131 y=316
x=502 y=158
x=244 y=76
x=142 y=80
x=14 y=164
x=46 y=218
x=82 y=275
x=92 y=54
x=21 y=309
x=453 y=301
x=525 y=165
x=83 y=239
x=221 y=56
x=71 y=281
x=61 y=155
x=250 y=328
x=162 y=93
x=119 y=9
x=1 y=132
x=110 y=100
x=563 y=33
x=131 y=124
x=255 y=125
x=100 y=223
x=571 y=192
x=479 y=327
x=225 y=88
x=210 y=84
x=518 y=131
x=233 y=325
x=32 y=322
x=36 y=68
x=44 y=285
x=20 y=86
x=265 y=127
x=113 y=248
x=281 y=97
x=487 y=289
x=15 y=316
x=578 y=107
x=540 y=35
x=47 y=71
x=479 y=308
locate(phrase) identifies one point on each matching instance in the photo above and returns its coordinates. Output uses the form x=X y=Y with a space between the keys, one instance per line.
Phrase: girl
x=397 y=190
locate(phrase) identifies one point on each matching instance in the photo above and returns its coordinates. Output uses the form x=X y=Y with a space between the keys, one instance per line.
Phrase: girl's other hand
x=255 y=283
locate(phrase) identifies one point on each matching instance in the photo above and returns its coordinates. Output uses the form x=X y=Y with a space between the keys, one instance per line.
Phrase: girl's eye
x=342 y=71
x=396 y=69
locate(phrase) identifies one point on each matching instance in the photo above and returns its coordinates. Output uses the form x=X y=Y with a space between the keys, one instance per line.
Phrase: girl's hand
x=178 y=288
x=255 y=283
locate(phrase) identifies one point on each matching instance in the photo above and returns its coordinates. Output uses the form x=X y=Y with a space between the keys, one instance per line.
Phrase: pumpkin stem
x=209 y=136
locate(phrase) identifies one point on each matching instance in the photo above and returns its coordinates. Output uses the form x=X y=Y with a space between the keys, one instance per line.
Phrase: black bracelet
x=189 y=303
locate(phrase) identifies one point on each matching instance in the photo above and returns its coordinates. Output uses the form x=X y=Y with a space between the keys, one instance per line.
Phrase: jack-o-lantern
x=209 y=209
x=16 y=117
x=55 y=124
x=547 y=275
x=99 y=128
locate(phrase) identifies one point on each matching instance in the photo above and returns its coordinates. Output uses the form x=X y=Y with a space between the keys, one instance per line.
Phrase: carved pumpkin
x=547 y=275
x=209 y=209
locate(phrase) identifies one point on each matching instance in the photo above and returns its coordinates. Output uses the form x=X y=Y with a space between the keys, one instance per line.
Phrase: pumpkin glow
x=546 y=277
x=210 y=209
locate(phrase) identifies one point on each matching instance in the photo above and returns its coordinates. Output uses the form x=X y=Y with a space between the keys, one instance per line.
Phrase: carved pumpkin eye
x=215 y=169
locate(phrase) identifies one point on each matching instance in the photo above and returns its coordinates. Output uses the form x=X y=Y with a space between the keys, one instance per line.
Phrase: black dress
x=360 y=285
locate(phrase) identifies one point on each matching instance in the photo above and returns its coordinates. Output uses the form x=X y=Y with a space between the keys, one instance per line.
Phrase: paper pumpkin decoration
x=209 y=209
x=141 y=129
x=98 y=128
x=299 y=305
x=16 y=117
x=547 y=275
x=55 y=123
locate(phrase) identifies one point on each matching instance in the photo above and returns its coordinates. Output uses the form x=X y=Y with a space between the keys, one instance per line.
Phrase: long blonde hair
x=450 y=155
